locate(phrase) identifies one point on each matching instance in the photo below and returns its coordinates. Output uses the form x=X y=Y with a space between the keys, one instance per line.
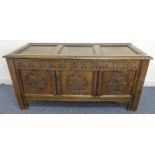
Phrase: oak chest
x=112 y=72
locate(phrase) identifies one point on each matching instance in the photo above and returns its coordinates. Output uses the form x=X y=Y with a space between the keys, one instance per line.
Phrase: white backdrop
x=77 y=21
x=9 y=46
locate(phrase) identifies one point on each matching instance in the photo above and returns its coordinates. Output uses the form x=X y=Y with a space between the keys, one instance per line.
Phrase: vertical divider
x=58 y=83
x=54 y=82
x=100 y=83
x=95 y=83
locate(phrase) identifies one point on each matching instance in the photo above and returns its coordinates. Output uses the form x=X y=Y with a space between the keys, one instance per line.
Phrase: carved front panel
x=76 y=82
x=84 y=65
x=117 y=82
x=37 y=82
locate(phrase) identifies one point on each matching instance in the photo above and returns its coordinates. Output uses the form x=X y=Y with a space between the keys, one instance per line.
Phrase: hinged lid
x=77 y=50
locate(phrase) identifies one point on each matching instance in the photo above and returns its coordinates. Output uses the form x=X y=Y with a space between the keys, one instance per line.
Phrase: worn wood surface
x=78 y=72
x=79 y=51
x=137 y=88
x=18 y=89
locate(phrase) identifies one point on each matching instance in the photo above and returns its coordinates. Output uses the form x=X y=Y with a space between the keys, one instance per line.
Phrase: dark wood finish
x=22 y=102
x=37 y=82
x=117 y=82
x=76 y=83
x=78 y=72
x=137 y=89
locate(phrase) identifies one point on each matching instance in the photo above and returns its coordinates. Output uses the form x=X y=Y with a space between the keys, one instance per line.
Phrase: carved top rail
x=91 y=65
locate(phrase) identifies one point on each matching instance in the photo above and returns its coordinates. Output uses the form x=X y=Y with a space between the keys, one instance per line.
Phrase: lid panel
x=75 y=50
x=117 y=51
x=39 y=50
x=78 y=50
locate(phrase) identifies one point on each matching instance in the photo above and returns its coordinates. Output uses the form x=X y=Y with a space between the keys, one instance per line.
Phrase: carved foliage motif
x=91 y=65
x=118 y=82
x=76 y=82
x=36 y=81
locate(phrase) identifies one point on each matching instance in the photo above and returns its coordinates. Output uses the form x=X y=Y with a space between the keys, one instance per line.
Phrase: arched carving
x=76 y=82
x=36 y=81
x=118 y=82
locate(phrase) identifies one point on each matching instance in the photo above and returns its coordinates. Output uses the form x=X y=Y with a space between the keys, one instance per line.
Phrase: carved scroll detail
x=76 y=82
x=91 y=65
x=118 y=82
x=36 y=81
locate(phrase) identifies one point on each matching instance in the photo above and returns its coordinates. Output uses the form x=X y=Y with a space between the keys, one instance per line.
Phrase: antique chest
x=113 y=72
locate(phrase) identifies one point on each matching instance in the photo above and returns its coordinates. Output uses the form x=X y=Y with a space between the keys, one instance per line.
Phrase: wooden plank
x=82 y=44
x=64 y=57
x=117 y=98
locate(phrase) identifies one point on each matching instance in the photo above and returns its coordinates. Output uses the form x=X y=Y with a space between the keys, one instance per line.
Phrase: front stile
x=22 y=102
x=139 y=85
